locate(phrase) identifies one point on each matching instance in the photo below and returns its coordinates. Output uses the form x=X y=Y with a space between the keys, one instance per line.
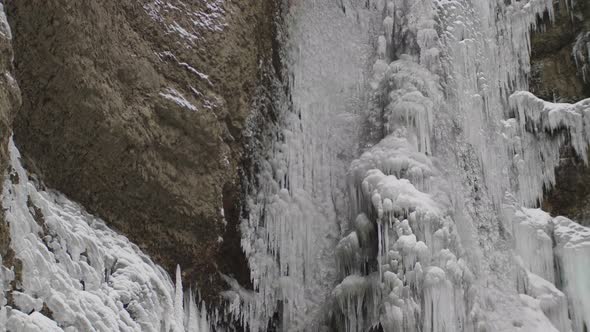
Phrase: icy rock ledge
x=536 y=135
x=77 y=274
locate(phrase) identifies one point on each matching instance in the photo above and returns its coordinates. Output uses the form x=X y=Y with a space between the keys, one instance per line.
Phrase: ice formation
x=545 y=128
x=542 y=240
x=75 y=274
x=293 y=226
x=434 y=233
x=572 y=249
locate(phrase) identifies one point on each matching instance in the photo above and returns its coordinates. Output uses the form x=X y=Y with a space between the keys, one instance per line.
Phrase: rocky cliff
x=137 y=110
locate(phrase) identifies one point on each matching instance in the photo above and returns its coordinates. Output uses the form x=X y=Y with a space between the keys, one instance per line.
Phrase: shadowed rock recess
x=555 y=77
x=137 y=110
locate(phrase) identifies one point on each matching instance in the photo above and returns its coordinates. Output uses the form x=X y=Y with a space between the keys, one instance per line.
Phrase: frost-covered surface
x=77 y=274
x=433 y=236
x=416 y=220
x=536 y=135
x=293 y=227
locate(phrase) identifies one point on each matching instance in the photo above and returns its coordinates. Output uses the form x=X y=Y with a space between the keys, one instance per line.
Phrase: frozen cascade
x=433 y=229
x=77 y=274
x=294 y=223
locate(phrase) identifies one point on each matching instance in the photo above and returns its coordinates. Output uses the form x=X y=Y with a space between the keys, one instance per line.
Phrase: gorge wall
x=137 y=110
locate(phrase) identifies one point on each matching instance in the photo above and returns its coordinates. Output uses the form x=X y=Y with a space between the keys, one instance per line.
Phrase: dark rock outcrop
x=555 y=77
x=137 y=110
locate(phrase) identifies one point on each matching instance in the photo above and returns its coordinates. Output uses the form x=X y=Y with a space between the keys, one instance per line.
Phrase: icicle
x=178 y=297
x=439 y=316
x=193 y=314
x=380 y=248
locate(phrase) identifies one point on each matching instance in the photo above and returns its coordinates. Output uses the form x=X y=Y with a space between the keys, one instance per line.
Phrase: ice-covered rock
x=77 y=274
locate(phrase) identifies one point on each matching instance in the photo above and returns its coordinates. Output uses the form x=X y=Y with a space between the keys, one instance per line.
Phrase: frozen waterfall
x=398 y=192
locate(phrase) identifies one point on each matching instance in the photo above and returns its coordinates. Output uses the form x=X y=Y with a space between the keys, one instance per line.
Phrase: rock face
x=137 y=109
x=555 y=77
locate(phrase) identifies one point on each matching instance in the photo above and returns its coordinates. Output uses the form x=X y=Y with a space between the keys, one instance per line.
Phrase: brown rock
x=96 y=124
